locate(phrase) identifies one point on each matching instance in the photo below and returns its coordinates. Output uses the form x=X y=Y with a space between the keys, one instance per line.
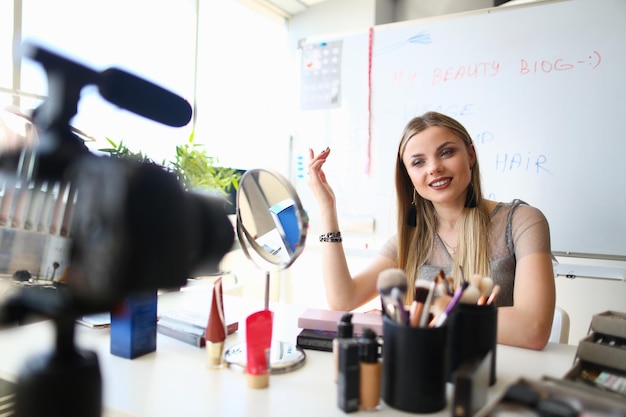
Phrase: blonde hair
x=415 y=244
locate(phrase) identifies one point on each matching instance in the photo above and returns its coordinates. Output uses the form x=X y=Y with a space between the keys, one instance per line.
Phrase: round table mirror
x=271 y=228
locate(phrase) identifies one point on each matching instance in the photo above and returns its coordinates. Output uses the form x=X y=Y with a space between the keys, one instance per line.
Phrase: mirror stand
x=284 y=357
x=267 y=290
x=271 y=227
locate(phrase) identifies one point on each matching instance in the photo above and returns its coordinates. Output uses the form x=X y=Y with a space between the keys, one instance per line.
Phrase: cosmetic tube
x=215 y=333
x=345 y=330
x=370 y=370
x=348 y=381
x=258 y=344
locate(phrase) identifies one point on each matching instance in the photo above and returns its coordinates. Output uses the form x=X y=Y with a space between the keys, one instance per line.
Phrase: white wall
x=408 y=9
x=583 y=297
x=346 y=16
x=330 y=17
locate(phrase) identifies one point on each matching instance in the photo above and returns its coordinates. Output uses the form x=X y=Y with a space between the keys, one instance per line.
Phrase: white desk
x=174 y=380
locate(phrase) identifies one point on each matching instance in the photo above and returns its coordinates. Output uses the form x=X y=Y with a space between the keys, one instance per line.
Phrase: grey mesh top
x=516 y=230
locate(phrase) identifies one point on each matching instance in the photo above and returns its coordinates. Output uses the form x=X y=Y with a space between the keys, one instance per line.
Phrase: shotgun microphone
x=117 y=86
x=143 y=97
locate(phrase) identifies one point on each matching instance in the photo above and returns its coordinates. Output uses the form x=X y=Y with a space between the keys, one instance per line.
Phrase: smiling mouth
x=441 y=183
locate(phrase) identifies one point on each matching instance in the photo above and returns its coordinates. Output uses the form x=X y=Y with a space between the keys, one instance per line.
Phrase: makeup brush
x=440 y=320
x=423 y=295
x=472 y=292
x=415 y=312
x=451 y=287
x=439 y=304
x=442 y=284
x=494 y=294
x=486 y=286
x=427 y=304
x=392 y=286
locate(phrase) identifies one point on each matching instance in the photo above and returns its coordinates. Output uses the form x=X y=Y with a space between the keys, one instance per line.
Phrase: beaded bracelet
x=331 y=237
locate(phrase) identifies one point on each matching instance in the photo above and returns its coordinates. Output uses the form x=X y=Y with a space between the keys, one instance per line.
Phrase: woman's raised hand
x=317 y=179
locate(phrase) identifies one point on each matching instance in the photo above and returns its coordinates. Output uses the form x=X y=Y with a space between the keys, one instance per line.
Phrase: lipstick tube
x=258 y=344
x=215 y=333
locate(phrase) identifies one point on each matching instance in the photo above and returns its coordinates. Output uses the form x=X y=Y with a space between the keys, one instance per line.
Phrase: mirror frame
x=286 y=357
x=247 y=241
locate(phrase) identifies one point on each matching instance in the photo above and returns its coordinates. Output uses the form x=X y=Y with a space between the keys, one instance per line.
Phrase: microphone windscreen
x=391 y=278
x=143 y=97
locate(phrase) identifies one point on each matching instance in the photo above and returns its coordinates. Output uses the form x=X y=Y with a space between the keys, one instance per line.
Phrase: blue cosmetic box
x=134 y=325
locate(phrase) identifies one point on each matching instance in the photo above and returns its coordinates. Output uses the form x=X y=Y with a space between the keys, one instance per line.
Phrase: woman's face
x=439 y=165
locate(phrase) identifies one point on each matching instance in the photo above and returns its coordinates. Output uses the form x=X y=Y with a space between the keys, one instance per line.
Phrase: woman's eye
x=418 y=162
x=447 y=152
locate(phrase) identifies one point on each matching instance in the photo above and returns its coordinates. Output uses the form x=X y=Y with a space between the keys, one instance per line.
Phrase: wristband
x=331 y=237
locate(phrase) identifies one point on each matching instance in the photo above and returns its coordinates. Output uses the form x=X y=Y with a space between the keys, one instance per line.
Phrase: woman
x=443 y=223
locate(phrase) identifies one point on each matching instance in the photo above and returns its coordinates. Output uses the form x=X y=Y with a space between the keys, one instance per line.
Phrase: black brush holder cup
x=414 y=367
x=472 y=333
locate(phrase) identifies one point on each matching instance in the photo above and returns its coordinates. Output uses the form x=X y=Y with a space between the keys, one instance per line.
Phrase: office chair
x=560 y=326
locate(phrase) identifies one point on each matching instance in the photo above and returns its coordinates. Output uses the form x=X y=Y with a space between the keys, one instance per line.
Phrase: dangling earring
x=470 y=199
x=411 y=218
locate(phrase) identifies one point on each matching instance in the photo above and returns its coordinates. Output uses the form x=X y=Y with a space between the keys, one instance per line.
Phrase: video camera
x=134 y=228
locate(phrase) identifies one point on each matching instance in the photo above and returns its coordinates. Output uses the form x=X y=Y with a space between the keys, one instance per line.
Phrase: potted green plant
x=198 y=170
x=120 y=150
x=192 y=165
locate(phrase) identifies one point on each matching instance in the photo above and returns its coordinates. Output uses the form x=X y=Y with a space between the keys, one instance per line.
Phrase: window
x=6 y=64
x=243 y=78
x=242 y=67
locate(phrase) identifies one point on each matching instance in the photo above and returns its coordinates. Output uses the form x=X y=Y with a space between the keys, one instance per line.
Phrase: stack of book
x=319 y=327
x=188 y=326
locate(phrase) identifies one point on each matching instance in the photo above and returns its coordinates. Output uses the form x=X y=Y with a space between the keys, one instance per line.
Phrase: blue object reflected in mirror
x=271 y=223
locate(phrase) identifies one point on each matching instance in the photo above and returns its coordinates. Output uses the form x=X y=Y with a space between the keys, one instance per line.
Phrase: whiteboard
x=542 y=90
